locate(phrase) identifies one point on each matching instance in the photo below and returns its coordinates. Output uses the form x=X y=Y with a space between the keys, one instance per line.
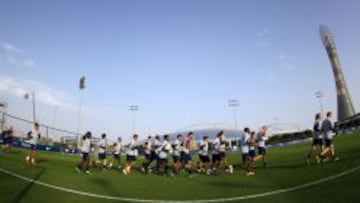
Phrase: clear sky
x=179 y=61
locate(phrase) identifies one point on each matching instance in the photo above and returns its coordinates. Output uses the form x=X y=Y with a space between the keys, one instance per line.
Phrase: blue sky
x=179 y=61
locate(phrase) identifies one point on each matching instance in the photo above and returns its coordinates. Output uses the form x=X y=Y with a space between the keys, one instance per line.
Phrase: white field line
x=99 y=196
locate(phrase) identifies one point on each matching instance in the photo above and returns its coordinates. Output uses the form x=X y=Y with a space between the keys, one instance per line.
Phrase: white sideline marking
x=290 y=189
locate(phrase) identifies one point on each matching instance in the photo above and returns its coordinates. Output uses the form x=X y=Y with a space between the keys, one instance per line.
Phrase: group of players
x=157 y=152
x=322 y=145
x=32 y=139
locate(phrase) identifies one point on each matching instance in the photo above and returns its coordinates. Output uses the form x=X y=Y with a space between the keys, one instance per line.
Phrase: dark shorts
x=261 y=150
x=32 y=146
x=245 y=157
x=85 y=156
x=8 y=140
x=148 y=156
x=215 y=158
x=317 y=142
x=185 y=157
x=176 y=159
x=328 y=142
x=102 y=156
x=204 y=159
x=117 y=156
x=163 y=161
x=222 y=155
x=252 y=153
x=130 y=158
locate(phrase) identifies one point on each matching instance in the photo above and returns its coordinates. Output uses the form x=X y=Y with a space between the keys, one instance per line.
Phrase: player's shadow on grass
x=103 y=183
x=28 y=187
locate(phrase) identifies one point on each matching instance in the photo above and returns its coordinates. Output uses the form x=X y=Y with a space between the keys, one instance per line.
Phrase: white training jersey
x=177 y=147
x=156 y=144
x=35 y=135
x=216 y=146
x=245 y=143
x=117 y=148
x=102 y=146
x=148 y=146
x=132 y=151
x=204 y=148
x=222 y=147
x=261 y=138
x=86 y=146
x=164 y=149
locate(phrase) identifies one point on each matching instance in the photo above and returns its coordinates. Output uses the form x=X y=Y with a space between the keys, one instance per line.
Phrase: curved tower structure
x=344 y=104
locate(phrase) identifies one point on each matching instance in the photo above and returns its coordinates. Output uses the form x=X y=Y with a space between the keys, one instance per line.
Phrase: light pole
x=234 y=103
x=133 y=108
x=81 y=88
x=319 y=95
x=3 y=106
x=26 y=97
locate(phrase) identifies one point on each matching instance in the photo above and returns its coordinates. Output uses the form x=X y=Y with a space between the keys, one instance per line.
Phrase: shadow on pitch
x=103 y=183
x=20 y=196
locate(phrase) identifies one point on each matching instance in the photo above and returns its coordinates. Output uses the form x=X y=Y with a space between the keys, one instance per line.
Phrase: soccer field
x=287 y=179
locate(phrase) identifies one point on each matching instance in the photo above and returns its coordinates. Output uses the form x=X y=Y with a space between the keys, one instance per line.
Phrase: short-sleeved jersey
x=34 y=136
x=261 y=138
x=86 y=145
x=177 y=147
x=216 y=146
x=102 y=145
x=148 y=146
x=245 y=143
x=164 y=150
x=132 y=151
x=204 y=148
x=317 y=130
x=117 y=147
x=327 y=128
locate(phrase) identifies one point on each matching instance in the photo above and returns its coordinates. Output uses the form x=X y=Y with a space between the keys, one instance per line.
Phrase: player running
x=102 y=151
x=163 y=151
x=204 y=164
x=85 y=150
x=177 y=148
x=252 y=152
x=224 y=144
x=149 y=155
x=327 y=128
x=118 y=148
x=215 y=160
x=261 y=140
x=33 y=136
x=317 y=144
x=186 y=156
x=245 y=143
x=131 y=154
x=8 y=139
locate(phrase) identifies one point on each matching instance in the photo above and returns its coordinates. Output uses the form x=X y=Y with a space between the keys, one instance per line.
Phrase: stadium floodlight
x=3 y=106
x=319 y=95
x=81 y=88
x=27 y=97
x=133 y=108
x=234 y=103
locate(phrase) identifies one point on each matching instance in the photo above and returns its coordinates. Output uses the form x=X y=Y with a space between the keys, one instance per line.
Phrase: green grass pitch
x=286 y=169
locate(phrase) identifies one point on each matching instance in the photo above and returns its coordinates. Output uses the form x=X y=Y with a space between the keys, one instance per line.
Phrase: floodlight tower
x=345 y=106
x=133 y=108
